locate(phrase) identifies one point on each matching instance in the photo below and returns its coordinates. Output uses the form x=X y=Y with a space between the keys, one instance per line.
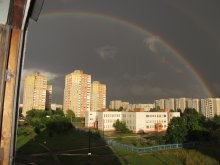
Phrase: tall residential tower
x=34 y=97
x=77 y=93
x=98 y=101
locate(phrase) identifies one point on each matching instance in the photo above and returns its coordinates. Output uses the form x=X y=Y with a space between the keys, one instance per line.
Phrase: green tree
x=216 y=121
x=59 y=112
x=59 y=124
x=120 y=109
x=156 y=109
x=177 y=130
x=121 y=127
x=70 y=115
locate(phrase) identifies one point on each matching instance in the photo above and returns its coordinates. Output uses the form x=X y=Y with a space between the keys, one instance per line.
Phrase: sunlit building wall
x=170 y=104
x=160 y=103
x=217 y=111
x=98 y=101
x=210 y=107
x=115 y=104
x=193 y=103
x=135 y=121
x=181 y=104
x=56 y=106
x=77 y=93
x=34 y=92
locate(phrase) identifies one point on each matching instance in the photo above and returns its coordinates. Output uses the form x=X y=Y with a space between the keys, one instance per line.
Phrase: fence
x=150 y=149
x=143 y=149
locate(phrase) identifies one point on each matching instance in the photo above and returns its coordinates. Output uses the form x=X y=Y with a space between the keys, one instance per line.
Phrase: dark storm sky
x=135 y=67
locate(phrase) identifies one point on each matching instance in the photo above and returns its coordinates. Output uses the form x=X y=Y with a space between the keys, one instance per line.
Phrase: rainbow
x=134 y=26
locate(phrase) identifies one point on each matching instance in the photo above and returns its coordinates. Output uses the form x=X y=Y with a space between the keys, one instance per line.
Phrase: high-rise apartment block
x=210 y=107
x=55 y=106
x=160 y=103
x=34 y=92
x=169 y=104
x=77 y=93
x=193 y=103
x=116 y=104
x=98 y=101
x=48 y=96
x=181 y=104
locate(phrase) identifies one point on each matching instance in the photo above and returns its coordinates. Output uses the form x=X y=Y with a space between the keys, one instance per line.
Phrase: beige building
x=181 y=104
x=55 y=106
x=115 y=104
x=210 y=107
x=160 y=103
x=48 y=97
x=34 y=96
x=77 y=93
x=169 y=104
x=98 y=100
x=135 y=121
x=193 y=103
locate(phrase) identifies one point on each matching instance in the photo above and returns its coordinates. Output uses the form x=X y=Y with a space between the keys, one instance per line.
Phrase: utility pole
x=89 y=153
x=14 y=18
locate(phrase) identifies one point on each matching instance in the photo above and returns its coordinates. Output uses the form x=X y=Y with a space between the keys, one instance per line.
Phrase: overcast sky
x=135 y=66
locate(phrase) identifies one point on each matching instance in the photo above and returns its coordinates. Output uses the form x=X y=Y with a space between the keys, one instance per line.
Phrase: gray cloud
x=107 y=52
x=152 y=43
x=148 y=77
x=150 y=90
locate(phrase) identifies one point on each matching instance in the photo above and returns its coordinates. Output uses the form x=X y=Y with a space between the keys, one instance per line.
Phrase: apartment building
x=170 y=104
x=34 y=96
x=193 y=103
x=160 y=103
x=77 y=93
x=98 y=100
x=181 y=104
x=48 y=97
x=55 y=106
x=210 y=107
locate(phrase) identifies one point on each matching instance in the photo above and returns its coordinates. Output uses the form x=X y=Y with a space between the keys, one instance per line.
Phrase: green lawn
x=177 y=157
x=204 y=154
x=60 y=143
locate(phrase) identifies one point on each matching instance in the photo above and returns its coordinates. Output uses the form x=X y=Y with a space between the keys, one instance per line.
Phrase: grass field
x=77 y=142
x=177 y=157
x=69 y=148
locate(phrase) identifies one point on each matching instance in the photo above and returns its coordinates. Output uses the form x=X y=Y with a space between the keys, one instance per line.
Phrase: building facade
x=77 y=93
x=48 y=97
x=210 y=107
x=56 y=106
x=170 y=104
x=115 y=104
x=193 y=103
x=98 y=100
x=34 y=96
x=160 y=104
x=135 y=121
x=181 y=104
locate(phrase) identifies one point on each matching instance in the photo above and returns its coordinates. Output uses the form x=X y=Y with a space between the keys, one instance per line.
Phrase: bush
x=37 y=130
x=59 y=124
x=121 y=127
x=24 y=131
